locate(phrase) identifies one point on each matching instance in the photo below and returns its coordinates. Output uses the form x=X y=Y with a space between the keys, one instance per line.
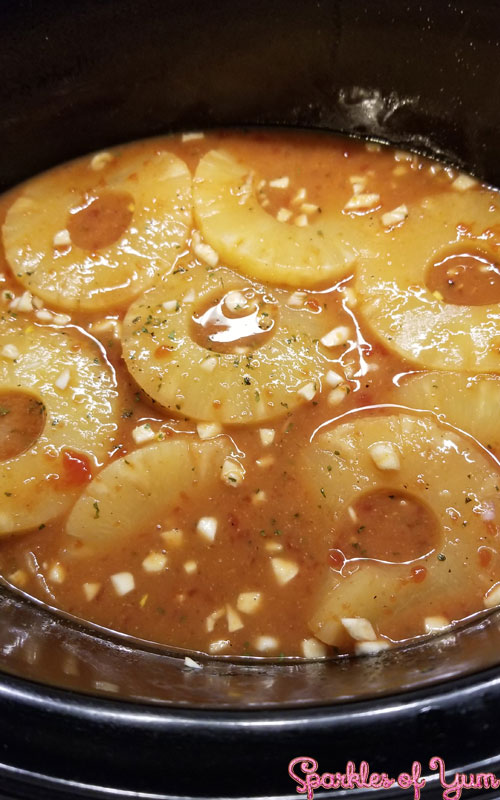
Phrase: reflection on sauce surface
x=239 y=322
x=238 y=567
x=466 y=278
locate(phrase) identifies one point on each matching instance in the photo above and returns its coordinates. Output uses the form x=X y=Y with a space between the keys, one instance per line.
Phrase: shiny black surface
x=77 y=76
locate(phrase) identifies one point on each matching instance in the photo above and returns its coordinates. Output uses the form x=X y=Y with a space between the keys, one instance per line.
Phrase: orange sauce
x=172 y=606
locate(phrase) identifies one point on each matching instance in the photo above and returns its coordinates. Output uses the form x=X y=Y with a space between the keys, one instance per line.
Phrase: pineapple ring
x=185 y=377
x=404 y=314
x=71 y=277
x=252 y=241
x=39 y=484
x=140 y=489
x=433 y=459
x=470 y=403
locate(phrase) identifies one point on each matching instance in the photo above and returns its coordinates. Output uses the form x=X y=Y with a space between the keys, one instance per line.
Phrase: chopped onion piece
x=384 y=455
x=284 y=570
x=123 y=583
x=359 y=628
x=249 y=602
x=313 y=648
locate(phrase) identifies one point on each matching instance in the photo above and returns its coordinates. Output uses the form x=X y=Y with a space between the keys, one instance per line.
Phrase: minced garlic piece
x=232 y=473
x=259 y=497
x=358 y=183
x=337 y=396
x=384 y=455
x=308 y=391
x=284 y=214
x=57 y=573
x=280 y=183
x=267 y=436
x=62 y=381
x=190 y=567
x=192 y=136
x=273 y=547
x=191 y=663
x=123 y=583
x=337 y=336
x=24 y=303
x=395 y=216
x=203 y=251
x=333 y=379
x=463 y=183
x=170 y=306
x=173 y=537
x=154 y=562
x=61 y=319
x=313 y=648
x=209 y=364
x=100 y=160
x=362 y=200
x=19 y=578
x=350 y=299
x=62 y=238
x=234 y=621
x=296 y=300
x=309 y=208
x=10 y=351
x=213 y=618
x=284 y=570
x=301 y=221
x=265 y=462
x=359 y=628
x=219 y=645
x=249 y=602
x=235 y=301
x=207 y=528
x=300 y=196
x=492 y=597
x=91 y=590
x=266 y=643
x=370 y=648
x=207 y=430
x=143 y=433
x=435 y=624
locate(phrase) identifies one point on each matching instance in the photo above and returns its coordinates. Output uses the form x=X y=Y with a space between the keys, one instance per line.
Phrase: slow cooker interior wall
x=79 y=76
x=83 y=75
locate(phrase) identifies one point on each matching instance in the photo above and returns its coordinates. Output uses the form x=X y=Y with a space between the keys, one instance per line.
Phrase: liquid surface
x=256 y=585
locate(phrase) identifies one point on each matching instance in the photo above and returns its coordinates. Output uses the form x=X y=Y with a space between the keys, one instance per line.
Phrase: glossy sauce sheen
x=171 y=606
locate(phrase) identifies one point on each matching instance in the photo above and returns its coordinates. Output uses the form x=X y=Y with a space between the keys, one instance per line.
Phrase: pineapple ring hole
x=101 y=220
x=465 y=278
x=386 y=525
x=224 y=325
x=22 y=420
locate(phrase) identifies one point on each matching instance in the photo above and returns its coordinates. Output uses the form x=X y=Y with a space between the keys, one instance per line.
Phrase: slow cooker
x=87 y=713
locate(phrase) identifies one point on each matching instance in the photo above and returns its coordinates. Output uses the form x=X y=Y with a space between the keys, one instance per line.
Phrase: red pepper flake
x=76 y=469
x=163 y=351
x=418 y=574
